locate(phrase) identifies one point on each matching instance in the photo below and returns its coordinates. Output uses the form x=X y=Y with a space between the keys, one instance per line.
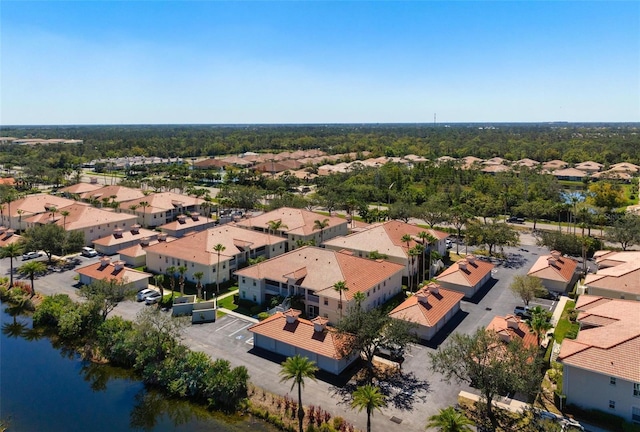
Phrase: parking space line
x=249 y=341
x=240 y=329
x=228 y=324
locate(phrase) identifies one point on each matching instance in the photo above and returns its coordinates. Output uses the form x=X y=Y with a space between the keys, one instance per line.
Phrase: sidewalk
x=557 y=313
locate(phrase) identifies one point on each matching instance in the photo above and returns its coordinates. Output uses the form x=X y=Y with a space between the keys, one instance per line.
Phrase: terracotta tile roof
x=298 y=221
x=466 y=272
x=612 y=348
x=7 y=181
x=139 y=249
x=105 y=269
x=80 y=188
x=184 y=222
x=495 y=168
x=569 y=172
x=386 y=238
x=8 y=236
x=301 y=334
x=608 y=258
x=120 y=236
x=554 y=164
x=164 y=201
x=198 y=247
x=511 y=326
x=82 y=216
x=34 y=204
x=428 y=306
x=235 y=160
x=554 y=267
x=527 y=162
x=612 y=174
x=589 y=165
x=121 y=193
x=323 y=269
x=624 y=278
x=211 y=163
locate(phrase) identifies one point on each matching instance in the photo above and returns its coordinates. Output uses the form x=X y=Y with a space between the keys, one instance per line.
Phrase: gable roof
x=198 y=247
x=184 y=222
x=81 y=216
x=107 y=270
x=164 y=201
x=385 y=237
x=511 y=327
x=298 y=221
x=623 y=277
x=466 y=272
x=319 y=269
x=301 y=334
x=428 y=305
x=554 y=267
x=612 y=348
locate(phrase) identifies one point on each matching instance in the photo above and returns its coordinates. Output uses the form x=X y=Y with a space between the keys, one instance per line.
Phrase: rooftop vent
x=512 y=322
x=144 y=242
x=135 y=229
x=117 y=232
x=462 y=264
x=93 y=180
x=471 y=259
x=119 y=265
x=433 y=287
x=162 y=237
x=195 y=216
x=104 y=261
x=181 y=219
x=423 y=296
x=292 y=315
x=319 y=324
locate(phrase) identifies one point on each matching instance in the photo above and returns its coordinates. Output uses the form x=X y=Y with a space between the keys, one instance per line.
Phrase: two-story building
x=158 y=209
x=15 y=213
x=312 y=273
x=121 y=239
x=187 y=224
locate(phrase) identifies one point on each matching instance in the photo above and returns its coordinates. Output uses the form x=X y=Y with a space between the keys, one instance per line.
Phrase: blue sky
x=155 y=62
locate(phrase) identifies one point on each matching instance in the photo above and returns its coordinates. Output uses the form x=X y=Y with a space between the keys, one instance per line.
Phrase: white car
x=89 y=252
x=142 y=295
x=153 y=298
x=31 y=255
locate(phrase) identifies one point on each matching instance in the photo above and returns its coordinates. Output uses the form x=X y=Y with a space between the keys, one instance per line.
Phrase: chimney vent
x=117 y=232
x=93 y=180
x=512 y=322
x=2 y=229
x=181 y=219
x=119 y=265
x=471 y=259
x=9 y=233
x=462 y=264
x=292 y=315
x=135 y=229
x=104 y=261
x=433 y=287
x=144 y=241
x=195 y=216
x=162 y=237
x=423 y=297
x=319 y=324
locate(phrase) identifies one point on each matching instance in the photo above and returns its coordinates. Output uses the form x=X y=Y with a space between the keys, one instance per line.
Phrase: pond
x=45 y=388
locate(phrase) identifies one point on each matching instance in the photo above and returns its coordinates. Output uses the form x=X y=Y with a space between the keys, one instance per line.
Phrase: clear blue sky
x=159 y=62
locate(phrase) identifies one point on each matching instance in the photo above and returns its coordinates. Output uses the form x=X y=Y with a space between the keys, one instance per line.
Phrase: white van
x=88 y=252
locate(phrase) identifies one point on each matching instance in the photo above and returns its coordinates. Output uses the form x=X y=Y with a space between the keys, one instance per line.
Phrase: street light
x=389 y=195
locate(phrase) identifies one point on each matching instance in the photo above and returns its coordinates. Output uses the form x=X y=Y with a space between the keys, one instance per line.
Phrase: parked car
x=142 y=295
x=449 y=243
x=31 y=255
x=514 y=219
x=153 y=298
x=89 y=252
x=522 y=311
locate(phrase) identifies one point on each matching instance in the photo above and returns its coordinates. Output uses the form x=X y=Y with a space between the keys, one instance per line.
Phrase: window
x=612 y=404
x=612 y=380
x=244 y=280
x=636 y=389
x=326 y=301
x=254 y=283
x=635 y=414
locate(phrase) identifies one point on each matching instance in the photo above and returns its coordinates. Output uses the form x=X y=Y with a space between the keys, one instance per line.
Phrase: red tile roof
x=105 y=269
x=430 y=310
x=301 y=334
x=511 y=327
x=297 y=221
x=554 y=267
x=611 y=348
x=473 y=272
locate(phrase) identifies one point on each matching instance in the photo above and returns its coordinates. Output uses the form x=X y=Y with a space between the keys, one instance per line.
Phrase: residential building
x=121 y=239
x=312 y=272
x=136 y=255
x=94 y=223
x=618 y=275
x=386 y=239
x=601 y=369
x=430 y=308
x=8 y=236
x=160 y=208
x=80 y=188
x=589 y=166
x=553 y=165
x=184 y=225
x=15 y=213
x=196 y=252
x=570 y=174
x=557 y=273
x=297 y=225
x=111 y=196
x=511 y=327
x=113 y=271
x=466 y=276
x=287 y=334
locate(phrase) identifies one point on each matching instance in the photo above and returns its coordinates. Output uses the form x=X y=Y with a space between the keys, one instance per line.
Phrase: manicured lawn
x=227 y=303
x=564 y=325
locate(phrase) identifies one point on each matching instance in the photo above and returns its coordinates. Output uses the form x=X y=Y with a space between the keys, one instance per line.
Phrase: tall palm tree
x=144 y=205
x=427 y=241
x=159 y=280
x=407 y=239
x=296 y=369
x=181 y=270
x=11 y=251
x=273 y=226
x=20 y=212
x=31 y=270
x=219 y=248
x=450 y=420
x=413 y=253
x=340 y=286
x=370 y=398
x=11 y=195
x=539 y=322
x=171 y=271
x=199 y=276
x=321 y=225
x=64 y=214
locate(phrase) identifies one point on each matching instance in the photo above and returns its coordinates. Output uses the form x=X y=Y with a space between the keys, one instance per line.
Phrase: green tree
x=159 y=281
x=49 y=238
x=406 y=238
x=144 y=205
x=106 y=294
x=450 y=420
x=297 y=369
x=527 y=287
x=539 y=322
x=535 y=210
x=625 y=230
x=492 y=234
x=434 y=211
x=171 y=272
x=219 y=248
x=199 y=276
x=458 y=217
x=181 y=271
x=607 y=195
x=369 y=398
x=11 y=251
x=340 y=286
x=31 y=270
x=487 y=363
x=320 y=225
x=427 y=241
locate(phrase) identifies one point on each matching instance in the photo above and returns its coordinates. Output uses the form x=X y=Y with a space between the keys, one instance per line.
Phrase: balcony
x=313 y=298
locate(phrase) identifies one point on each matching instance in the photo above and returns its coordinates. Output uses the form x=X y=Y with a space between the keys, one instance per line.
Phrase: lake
x=48 y=389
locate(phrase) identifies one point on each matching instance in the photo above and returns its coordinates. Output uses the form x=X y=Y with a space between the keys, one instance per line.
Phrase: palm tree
x=340 y=286
x=370 y=398
x=11 y=251
x=407 y=239
x=64 y=214
x=273 y=226
x=413 y=253
x=296 y=369
x=321 y=225
x=31 y=269
x=181 y=270
x=171 y=271
x=199 y=276
x=359 y=297
x=427 y=241
x=20 y=213
x=219 y=248
x=11 y=195
x=450 y=420
x=159 y=280
x=144 y=205
x=539 y=322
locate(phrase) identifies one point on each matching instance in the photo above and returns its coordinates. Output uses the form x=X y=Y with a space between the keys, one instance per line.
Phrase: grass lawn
x=564 y=325
x=227 y=303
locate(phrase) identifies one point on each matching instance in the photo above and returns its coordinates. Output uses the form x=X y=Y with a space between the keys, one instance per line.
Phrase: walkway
x=232 y=313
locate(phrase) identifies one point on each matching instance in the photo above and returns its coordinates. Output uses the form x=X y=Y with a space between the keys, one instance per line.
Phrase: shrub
x=263 y=316
x=51 y=309
x=255 y=310
x=338 y=422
